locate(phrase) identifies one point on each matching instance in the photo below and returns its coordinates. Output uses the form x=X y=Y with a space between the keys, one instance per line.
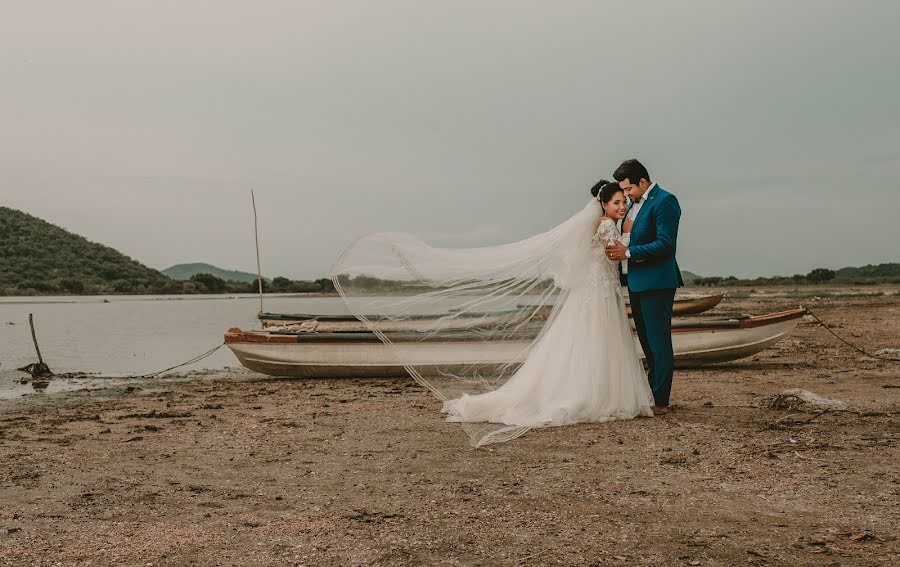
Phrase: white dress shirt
x=632 y=214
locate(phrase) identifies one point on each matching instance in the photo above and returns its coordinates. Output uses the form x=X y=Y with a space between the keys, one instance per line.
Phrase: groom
x=652 y=272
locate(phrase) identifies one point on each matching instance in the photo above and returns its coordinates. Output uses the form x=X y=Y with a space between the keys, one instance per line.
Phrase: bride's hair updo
x=604 y=190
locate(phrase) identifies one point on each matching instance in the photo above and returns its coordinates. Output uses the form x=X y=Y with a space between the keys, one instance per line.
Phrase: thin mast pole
x=258 y=265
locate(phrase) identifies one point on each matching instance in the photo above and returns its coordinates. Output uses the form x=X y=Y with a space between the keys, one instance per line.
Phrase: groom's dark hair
x=632 y=170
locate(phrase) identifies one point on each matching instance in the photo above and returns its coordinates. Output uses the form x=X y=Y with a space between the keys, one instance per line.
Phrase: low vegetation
x=866 y=275
x=208 y=283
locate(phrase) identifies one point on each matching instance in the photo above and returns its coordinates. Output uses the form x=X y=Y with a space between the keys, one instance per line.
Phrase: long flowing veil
x=462 y=320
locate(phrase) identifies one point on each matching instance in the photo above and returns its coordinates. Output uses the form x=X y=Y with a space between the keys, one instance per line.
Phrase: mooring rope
x=197 y=358
x=854 y=347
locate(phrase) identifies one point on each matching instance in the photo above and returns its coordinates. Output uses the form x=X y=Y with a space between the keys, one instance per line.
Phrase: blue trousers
x=652 y=313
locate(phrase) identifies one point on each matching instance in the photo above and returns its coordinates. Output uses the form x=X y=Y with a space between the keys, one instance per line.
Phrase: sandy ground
x=248 y=470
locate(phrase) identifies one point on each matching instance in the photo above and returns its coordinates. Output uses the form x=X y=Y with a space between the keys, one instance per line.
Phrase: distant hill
x=187 y=271
x=37 y=257
x=688 y=276
x=869 y=271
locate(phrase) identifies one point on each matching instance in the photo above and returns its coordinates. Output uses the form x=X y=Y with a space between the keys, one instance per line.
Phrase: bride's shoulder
x=606 y=228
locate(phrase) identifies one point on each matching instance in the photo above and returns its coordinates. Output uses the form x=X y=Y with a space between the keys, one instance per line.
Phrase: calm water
x=131 y=335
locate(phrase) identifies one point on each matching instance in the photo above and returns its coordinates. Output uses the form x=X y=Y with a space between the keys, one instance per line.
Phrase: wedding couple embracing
x=535 y=333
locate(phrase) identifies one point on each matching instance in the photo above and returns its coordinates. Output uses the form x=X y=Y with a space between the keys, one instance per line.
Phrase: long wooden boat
x=337 y=323
x=351 y=354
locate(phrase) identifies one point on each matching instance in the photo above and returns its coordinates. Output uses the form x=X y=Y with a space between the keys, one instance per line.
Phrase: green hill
x=37 y=257
x=187 y=271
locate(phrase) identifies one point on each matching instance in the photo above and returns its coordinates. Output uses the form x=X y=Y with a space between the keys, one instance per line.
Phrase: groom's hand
x=616 y=251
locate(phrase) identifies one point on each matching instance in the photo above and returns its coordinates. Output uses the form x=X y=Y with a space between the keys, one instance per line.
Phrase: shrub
x=209 y=282
x=820 y=275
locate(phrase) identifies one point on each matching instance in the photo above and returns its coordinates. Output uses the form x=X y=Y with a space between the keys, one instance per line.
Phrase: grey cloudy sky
x=143 y=125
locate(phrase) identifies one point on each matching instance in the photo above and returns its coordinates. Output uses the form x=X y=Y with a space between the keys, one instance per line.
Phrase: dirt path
x=345 y=472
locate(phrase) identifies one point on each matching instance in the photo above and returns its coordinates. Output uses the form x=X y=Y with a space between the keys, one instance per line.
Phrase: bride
x=542 y=322
x=585 y=368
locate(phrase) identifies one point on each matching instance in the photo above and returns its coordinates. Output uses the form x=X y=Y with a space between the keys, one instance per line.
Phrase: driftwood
x=796 y=399
x=38 y=369
x=800 y=400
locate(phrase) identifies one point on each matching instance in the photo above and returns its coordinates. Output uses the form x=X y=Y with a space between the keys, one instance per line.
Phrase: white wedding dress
x=584 y=368
x=460 y=320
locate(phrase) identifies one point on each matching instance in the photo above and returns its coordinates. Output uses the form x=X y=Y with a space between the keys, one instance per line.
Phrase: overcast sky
x=144 y=125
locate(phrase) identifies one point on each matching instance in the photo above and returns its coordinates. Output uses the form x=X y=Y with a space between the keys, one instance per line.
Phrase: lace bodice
x=606 y=271
x=607 y=234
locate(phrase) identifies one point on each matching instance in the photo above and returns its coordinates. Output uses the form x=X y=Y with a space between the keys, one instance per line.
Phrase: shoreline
x=61 y=299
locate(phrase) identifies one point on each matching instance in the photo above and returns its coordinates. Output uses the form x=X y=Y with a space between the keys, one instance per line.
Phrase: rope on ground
x=854 y=347
x=197 y=358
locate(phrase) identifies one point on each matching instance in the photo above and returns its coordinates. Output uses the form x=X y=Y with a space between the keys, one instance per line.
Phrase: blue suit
x=653 y=276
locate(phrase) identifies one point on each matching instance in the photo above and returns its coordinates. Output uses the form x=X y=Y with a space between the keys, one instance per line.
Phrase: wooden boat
x=688 y=305
x=359 y=353
x=337 y=323
x=692 y=305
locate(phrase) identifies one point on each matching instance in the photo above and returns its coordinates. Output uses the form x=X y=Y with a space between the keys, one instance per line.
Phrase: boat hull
x=342 y=355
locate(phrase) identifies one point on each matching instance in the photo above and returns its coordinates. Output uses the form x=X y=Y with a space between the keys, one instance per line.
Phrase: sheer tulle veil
x=461 y=320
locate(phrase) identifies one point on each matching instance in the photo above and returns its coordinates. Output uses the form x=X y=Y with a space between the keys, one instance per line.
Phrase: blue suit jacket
x=654 y=234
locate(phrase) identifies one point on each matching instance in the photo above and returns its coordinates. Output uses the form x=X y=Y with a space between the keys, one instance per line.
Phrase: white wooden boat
x=350 y=354
x=338 y=323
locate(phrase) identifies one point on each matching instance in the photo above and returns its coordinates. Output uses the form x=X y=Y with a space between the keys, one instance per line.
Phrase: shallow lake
x=132 y=335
